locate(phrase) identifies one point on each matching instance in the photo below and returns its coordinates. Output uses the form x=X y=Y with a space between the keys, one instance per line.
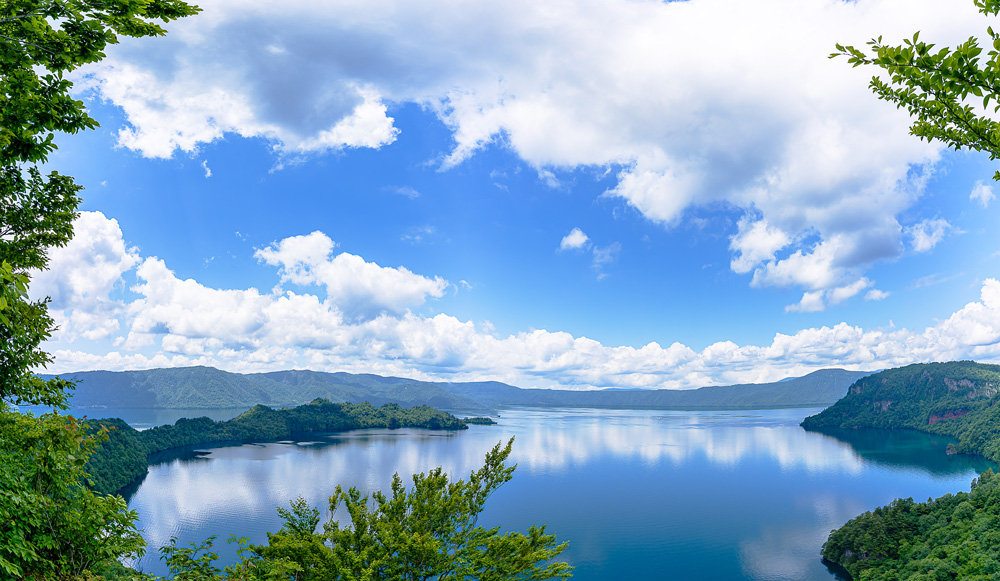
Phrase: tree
x=426 y=532
x=430 y=531
x=51 y=526
x=942 y=88
x=40 y=42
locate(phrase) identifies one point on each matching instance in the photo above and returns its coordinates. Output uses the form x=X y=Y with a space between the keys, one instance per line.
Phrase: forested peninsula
x=957 y=399
x=951 y=537
x=125 y=455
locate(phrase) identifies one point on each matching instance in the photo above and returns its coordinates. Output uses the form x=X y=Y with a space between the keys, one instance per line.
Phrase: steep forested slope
x=957 y=399
x=952 y=537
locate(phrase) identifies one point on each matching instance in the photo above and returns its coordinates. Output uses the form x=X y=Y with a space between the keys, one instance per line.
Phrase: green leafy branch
x=934 y=86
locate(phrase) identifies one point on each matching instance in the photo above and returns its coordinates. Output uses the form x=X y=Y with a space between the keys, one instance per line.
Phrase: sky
x=573 y=193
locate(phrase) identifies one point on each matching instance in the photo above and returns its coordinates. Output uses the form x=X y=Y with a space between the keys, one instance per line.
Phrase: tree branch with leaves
x=941 y=88
x=51 y=525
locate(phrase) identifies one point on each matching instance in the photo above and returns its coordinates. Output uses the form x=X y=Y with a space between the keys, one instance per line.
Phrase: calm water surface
x=638 y=494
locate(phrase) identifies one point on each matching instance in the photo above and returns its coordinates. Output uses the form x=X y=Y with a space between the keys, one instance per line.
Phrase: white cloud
x=82 y=276
x=173 y=306
x=418 y=234
x=928 y=233
x=843 y=293
x=876 y=295
x=814 y=301
x=408 y=191
x=756 y=242
x=360 y=289
x=184 y=322
x=816 y=269
x=604 y=256
x=576 y=239
x=208 y=170
x=757 y=116
x=982 y=193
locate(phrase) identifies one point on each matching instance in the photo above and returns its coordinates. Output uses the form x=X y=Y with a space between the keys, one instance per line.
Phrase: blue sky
x=575 y=194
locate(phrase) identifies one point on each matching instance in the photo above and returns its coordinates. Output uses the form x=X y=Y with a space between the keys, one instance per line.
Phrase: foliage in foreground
x=51 y=526
x=426 y=532
x=953 y=537
x=936 y=85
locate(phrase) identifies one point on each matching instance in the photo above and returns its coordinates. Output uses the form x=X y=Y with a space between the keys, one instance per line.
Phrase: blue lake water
x=637 y=494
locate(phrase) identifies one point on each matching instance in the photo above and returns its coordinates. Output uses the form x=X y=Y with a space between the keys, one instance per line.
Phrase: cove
x=637 y=494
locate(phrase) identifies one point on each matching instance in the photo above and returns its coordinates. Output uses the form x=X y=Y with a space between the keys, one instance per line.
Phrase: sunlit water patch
x=638 y=494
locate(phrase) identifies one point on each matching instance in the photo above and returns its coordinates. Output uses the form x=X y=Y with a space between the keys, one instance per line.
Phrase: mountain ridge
x=208 y=387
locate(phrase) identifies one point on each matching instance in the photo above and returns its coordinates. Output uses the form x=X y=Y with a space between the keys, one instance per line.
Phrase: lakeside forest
x=57 y=522
x=951 y=537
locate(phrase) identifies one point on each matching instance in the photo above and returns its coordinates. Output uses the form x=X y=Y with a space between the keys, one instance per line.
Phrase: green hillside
x=956 y=399
x=951 y=537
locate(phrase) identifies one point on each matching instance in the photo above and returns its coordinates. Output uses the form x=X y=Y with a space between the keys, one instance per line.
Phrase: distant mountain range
x=206 y=387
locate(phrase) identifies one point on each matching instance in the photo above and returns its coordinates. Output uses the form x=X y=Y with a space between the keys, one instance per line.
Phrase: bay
x=638 y=494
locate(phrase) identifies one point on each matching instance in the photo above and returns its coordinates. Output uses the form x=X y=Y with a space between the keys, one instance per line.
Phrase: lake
x=638 y=494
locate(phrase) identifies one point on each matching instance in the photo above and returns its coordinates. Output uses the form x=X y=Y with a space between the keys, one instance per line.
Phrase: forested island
x=952 y=537
x=125 y=455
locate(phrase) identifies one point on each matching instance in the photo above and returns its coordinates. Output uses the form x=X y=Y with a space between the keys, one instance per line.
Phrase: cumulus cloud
x=82 y=276
x=175 y=321
x=300 y=331
x=758 y=117
x=982 y=193
x=185 y=308
x=756 y=242
x=928 y=233
x=845 y=292
x=876 y=295
x=813 y=301
x=360 y=289
x=576 y=239
x=601 y=256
